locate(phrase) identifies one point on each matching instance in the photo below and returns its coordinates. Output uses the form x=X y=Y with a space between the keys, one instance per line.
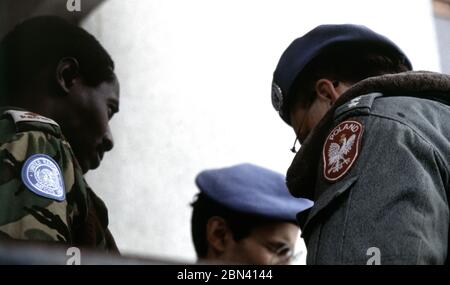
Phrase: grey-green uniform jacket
x=43 y=194
x=377 y=167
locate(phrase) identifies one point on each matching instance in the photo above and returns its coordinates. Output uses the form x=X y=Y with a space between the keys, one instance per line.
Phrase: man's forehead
x=279 y=231
x=116 y=87
x=111 y=89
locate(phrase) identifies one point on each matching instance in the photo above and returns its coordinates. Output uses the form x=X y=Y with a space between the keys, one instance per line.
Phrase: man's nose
x=108 y=141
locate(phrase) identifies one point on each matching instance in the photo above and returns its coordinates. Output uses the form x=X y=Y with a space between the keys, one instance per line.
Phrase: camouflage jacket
x=43 y=194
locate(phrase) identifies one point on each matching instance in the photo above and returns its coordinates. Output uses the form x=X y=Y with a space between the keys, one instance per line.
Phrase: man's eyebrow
x=115 y=104
x=279 y=243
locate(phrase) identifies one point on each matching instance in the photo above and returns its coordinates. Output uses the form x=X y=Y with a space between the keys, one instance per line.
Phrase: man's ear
x=67 y=70
x=217 y=235
x=326 y=91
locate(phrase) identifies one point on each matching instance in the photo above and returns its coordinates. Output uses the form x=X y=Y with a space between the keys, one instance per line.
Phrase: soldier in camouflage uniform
x=58 y=92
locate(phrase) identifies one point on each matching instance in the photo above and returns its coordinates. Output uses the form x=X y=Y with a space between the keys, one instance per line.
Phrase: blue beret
x=251 y=189
x=302 y=50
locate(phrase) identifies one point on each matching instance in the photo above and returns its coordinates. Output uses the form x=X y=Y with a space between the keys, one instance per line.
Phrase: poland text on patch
x=42 y=175
x=341 y=149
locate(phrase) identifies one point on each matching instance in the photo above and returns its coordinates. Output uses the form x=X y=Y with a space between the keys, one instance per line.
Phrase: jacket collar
x=302 y=174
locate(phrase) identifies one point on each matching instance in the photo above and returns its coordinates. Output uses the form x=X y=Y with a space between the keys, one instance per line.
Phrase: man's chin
x=84 y=166
x=87 y=165
x=89 y=162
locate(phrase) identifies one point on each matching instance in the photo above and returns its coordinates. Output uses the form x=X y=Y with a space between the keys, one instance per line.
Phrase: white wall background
x=443 y=35
x=195 y=85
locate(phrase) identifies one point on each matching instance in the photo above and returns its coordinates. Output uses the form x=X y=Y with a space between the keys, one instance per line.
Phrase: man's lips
x=101 y=154
x=97 y=159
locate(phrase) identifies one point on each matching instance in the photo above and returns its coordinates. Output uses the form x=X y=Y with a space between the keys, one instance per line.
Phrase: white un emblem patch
x=42 y=175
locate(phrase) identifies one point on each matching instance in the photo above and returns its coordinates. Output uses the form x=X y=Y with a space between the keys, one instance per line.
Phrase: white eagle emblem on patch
x=341 y=149
x=42 y=175
x=337 y=153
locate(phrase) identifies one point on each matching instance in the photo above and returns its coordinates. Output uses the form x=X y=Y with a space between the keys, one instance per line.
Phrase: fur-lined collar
x=301 y=175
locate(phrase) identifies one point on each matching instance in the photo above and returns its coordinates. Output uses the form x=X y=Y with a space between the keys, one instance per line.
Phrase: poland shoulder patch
x=341 y=149
x=42 y=175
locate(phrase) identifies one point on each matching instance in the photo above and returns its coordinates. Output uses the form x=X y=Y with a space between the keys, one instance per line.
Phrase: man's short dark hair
x=42 y=42
x=343 y=63
x=240 y=224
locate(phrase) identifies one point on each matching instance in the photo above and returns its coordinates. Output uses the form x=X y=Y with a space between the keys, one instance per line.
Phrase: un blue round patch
x=42 y=175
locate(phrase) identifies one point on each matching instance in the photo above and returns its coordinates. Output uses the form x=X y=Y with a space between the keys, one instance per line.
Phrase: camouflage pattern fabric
x=81 y=219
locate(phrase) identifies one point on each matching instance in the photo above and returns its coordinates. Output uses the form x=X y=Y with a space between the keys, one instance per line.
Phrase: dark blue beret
x=302 y=50
x=251 y=189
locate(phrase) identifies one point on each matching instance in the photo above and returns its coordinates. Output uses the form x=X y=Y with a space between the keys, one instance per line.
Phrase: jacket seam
x=416 y=132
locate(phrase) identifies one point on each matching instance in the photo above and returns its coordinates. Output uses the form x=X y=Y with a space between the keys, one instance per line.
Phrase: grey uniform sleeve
x=392 y=203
